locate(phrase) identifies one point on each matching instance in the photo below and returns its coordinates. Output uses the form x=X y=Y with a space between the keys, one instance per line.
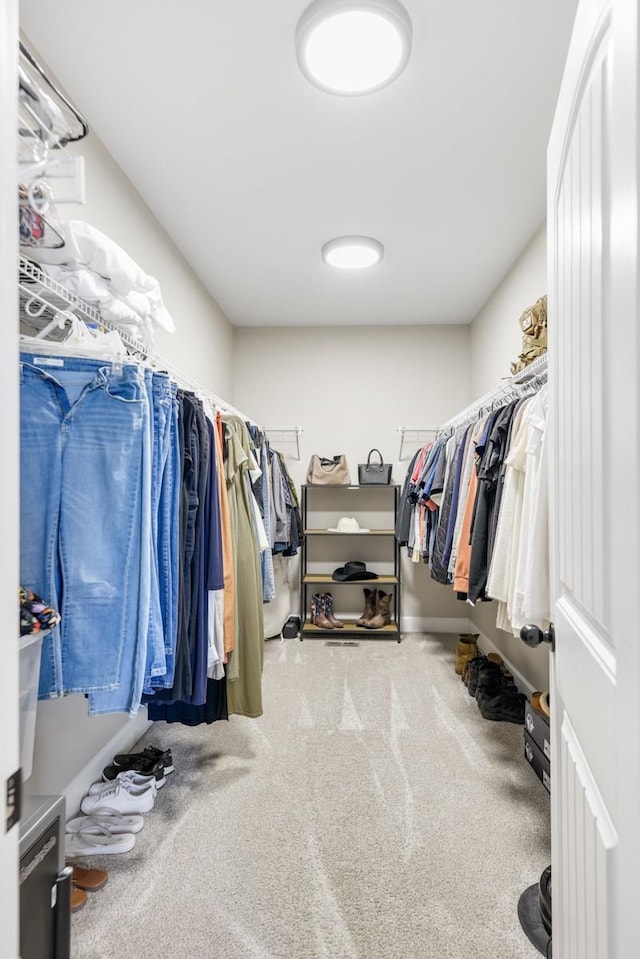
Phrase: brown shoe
x=78 y=898
x=89 y=879
x=465 y=650
x=318 y=615
x=369 y=607
x=328 y=611
x=383 y=611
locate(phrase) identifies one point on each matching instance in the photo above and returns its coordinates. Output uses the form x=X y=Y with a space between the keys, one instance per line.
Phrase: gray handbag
x=328 y=472
x=374 y=474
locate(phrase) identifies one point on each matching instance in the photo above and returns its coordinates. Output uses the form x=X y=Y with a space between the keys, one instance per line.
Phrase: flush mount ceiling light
x=353 y=47
x=352 y=252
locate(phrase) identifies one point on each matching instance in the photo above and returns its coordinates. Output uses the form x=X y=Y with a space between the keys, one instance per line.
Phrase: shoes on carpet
x=506 y=706
x=106 y=819
x=153 y=753
x=122 y=796
x=488 y=676
x=465 y=650
x=97 y=843
x=473 y=669
x=141 y=769
x=138 y=783
x=89 y=879
x=78 y=898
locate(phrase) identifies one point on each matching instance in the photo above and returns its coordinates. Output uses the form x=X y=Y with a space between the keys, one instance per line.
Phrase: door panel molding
x=589 y=839
x=593 y=636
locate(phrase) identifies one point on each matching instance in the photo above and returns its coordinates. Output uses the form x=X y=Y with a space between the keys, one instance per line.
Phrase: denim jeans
x=84 y=536
x=159 y=399
x=165 y=509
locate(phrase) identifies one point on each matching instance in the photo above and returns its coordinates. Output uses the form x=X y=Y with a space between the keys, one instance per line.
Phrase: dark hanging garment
x=212 y=691
x=459 y=467
x=214 y=709
x=488 y=474
x=431 y=486
x=407 y=503
x=439 y=564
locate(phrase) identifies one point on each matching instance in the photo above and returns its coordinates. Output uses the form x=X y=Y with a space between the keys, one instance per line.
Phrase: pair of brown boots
x=377 y=609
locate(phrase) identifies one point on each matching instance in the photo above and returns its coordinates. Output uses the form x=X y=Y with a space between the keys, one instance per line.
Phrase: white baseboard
x=435 y=624
x=122 y=742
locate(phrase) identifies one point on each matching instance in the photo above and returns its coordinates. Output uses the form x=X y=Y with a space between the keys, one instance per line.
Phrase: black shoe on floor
x=505 y=707
x=489 y=678
x=473 y=671
x=143 y=765
x=149 y=753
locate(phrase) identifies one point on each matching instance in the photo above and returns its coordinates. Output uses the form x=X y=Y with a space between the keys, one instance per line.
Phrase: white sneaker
x=122 y=797
x=137 y=781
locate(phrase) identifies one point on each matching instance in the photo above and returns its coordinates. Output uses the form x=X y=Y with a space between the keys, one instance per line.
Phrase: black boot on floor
x=505 y=707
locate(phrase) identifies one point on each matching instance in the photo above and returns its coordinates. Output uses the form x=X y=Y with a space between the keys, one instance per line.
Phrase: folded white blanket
x=94 y=290
x=86 y=247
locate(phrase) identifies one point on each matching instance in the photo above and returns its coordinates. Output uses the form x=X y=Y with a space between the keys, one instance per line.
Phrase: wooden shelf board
x=391 y=629
x=326 y=578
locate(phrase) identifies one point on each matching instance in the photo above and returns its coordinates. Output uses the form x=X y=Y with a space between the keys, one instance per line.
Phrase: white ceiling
x=251 y=169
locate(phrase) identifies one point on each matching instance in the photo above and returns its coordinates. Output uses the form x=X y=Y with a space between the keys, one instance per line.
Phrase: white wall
x=350 y=389
x=495 y=335
x=201 y=347
x=495 y=338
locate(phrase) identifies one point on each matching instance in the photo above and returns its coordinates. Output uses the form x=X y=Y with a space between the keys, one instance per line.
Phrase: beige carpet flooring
x=371 y=813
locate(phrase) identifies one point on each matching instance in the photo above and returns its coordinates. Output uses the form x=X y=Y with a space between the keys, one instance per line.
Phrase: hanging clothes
x=483 y=527
x=474 y=508
x=244 y=670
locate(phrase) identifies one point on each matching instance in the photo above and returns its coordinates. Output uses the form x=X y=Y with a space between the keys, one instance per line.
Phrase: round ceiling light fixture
x=352 y=252
x=352 y=47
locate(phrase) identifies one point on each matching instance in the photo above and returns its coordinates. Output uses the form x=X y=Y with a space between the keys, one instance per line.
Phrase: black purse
x=374 y=474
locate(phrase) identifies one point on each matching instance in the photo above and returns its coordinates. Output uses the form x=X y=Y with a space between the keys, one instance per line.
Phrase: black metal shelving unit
x=312 y=582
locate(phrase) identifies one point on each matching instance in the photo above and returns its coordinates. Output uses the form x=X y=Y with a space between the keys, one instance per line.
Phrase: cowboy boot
x=319 y=616
x=328 y=611
x=383 y=611
x=369 y=607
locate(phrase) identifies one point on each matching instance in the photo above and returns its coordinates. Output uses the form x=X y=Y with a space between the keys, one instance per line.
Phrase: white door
x=9 y=509
x=595 y=483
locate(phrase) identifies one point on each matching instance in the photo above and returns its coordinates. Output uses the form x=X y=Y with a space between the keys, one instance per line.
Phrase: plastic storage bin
x=30 y=652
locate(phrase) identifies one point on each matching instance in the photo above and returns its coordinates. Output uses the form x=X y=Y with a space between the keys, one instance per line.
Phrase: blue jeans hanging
x=85 y=532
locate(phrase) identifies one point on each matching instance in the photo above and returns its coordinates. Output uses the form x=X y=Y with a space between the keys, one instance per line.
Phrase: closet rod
x=30 y=271
x=84 y=126
x=512 y=387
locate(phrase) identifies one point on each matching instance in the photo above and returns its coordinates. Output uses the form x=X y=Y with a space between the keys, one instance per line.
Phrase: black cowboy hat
x=353 y=570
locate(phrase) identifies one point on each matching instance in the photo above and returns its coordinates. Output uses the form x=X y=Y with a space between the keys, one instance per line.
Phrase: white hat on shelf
x=347 y=524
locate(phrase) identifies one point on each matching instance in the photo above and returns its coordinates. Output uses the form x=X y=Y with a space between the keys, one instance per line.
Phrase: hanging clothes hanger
x=81 y=341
